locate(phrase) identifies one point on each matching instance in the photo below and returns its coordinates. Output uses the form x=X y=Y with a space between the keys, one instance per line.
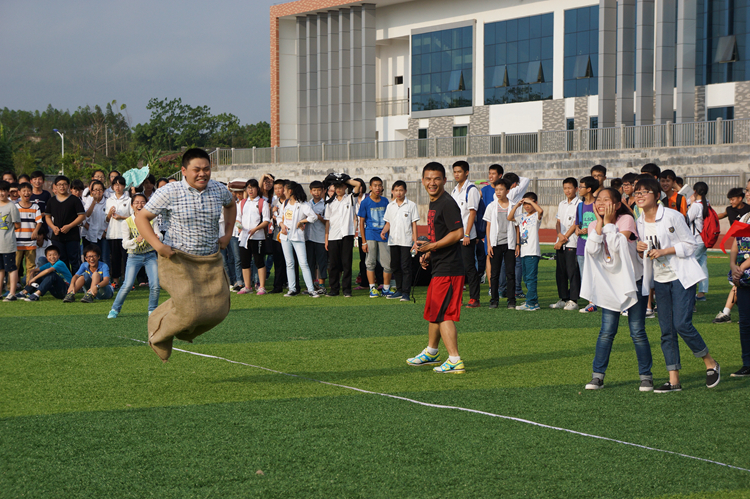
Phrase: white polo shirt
x=340 y=216
x=459 y=195
x=401 y=218
x=566 y=215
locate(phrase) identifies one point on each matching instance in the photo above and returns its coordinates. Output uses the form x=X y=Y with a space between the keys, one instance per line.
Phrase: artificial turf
x=87 y=411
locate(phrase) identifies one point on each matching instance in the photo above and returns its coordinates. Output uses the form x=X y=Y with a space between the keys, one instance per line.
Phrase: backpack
x=711 y=229
x=479 y=222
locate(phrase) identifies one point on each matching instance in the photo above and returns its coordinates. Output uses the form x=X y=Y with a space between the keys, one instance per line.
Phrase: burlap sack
x=199 y=300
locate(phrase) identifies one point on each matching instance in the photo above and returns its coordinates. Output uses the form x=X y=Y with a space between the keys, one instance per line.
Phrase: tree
x=6 y=153
x=260 y=136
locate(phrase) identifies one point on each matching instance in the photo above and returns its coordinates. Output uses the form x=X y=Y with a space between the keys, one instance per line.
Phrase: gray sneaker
x=595 y=384
x=647 y=385
x=722 y=318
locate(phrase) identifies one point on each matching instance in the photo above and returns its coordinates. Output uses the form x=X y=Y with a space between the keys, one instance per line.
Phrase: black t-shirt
x=63 y=213
x=41 y=200
x=734 y=214
x=445 y=217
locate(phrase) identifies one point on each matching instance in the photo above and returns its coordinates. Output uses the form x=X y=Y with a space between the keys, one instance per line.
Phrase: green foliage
x=6 y=153
x=260 y=136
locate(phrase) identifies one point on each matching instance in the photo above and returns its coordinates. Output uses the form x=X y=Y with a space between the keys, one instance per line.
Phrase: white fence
x=544 y=141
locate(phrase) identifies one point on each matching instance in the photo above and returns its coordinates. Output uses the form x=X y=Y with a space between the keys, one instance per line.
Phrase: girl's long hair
x=297 y=191
x=701 y=189
x=616 y=197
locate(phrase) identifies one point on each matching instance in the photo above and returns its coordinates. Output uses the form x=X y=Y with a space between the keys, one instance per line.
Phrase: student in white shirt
x=567 y=272
x=296 y=213
x=118 y=210
x=528 y=230
x=467 y=196
x=518 y=187
x=339 y=238
x=253 y=217
x=95 y=226
x=315 y=236
x=401 y=218
x=504 y=242
x=667 y=247
x=612 y=279
x=697 y=212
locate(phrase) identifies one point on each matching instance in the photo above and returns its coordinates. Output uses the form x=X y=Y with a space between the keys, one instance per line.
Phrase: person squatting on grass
x=140 y=255
x=503 y=242
x=667 y=247
x=400 y=229
x=613 y=280
x=444 y=294
x=371 y=215
x=191 y=267
x=93 y=276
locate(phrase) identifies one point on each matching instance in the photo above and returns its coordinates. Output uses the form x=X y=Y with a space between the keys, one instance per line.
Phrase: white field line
x=456 y=408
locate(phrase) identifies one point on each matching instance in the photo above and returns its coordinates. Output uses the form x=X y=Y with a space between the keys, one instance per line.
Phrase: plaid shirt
x=192 y=215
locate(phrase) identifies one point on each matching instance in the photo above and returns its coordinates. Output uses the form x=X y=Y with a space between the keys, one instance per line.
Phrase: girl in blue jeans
x=611 y=280
x=668 y=250
x=140 y=255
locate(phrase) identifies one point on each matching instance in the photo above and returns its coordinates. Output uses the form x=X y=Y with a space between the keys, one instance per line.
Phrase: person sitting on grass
x=54 y=276
x=613 y=279
x=140 y=255
x=529 y=222
x=93 y=275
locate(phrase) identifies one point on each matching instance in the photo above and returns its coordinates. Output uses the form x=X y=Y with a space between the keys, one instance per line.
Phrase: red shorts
x=444 y=299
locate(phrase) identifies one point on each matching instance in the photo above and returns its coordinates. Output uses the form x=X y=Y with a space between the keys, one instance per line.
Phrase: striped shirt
x=192 y=215
x=30 y=217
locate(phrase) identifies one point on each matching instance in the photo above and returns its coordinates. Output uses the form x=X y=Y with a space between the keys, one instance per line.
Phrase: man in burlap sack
x=191 y=268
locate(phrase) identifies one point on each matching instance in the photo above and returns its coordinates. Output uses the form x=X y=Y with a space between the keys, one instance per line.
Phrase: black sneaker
x=69 y=298
x=31 y=297
x=493 y=304
x=520 y=295
x=722 y=318
x=668 y=387
x=713 y=376
x=347 y=295
x=595 y=384
x=331 y=294
x=742 y=373
x=87 y=298
x=511 y=305
x=10 y=297
x=647 y=385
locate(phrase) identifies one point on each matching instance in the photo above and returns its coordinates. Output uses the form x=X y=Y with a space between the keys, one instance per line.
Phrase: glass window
x=581 y=52
x=723 y=29
x=508 y=70
x=442 y=68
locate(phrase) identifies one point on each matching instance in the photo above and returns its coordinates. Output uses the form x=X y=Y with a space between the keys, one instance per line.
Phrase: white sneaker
x=624 y=313
x=559 y=304
x=571 y=305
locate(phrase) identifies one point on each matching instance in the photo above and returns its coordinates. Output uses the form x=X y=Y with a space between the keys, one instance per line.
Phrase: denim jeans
x=104 y=293
x=702 y=257
x=55 y=284
x=637 y=324
x=743 y=305
x=234 y=248
x=135 y=263
x=530 y=265
x=298 y=247
x=676 y=317
x=503 y=286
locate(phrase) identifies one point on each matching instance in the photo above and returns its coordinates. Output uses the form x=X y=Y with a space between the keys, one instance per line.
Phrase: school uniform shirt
x=566 y=215
x=529 y=233
x=340 y=215
x=494 y=214
x=97 y=221
x=30 y=217
x=695 y=220
x=626 y=223
x=517 y=193
x=373 y=214
x=102 y=269
x=467 y=203
x=60 y=269
x=8 y=216
x=293 y=214
x=316 y=231
x=118 y=229
x=669 y=230
x=250 y=216
x=63 y=213
x=400 y=219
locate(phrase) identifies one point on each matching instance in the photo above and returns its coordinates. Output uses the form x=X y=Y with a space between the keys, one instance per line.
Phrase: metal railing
x=704 y=133
x=394 y=107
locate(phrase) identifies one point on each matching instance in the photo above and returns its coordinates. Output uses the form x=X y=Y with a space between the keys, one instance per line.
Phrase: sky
x=78 y=52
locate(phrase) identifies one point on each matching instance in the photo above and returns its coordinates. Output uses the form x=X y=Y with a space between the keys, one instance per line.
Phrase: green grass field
x=85 y=411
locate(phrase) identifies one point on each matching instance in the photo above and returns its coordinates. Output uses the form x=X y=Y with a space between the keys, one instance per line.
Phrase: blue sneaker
x=527 y=308
x=424 y=358
x=591 y=308
x=394 y=296
x=31 y=297
x=375 y=293
x=449 y=367
x=112 y=314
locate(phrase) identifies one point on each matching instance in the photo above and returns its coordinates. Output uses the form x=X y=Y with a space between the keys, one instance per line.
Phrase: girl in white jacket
x=612 y=281
x=696 y=214
x=667 y=247
x=294 y=214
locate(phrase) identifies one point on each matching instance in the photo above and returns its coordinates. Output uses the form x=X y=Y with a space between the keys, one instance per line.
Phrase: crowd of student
x=624 y=248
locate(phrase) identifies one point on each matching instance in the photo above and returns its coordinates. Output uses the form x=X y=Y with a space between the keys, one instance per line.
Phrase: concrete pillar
x=607 y=62
x=302 y=131
x=322 y=54
x=333 y=77
x=368 y=72
x=686 y=28
x=312 y=79
x=355 y=70
x=345 y=77
x=625 y=61
x=644 y=64
x=665 y=61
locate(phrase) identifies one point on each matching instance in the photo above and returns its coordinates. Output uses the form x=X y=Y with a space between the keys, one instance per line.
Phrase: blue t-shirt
x=374 y=215
x=587 y=211
x=102 y=269
x=488 y=194
x=60 y=269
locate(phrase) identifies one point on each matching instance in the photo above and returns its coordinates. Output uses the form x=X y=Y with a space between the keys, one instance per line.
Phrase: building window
x=723 y=35
x=399 y=80
x=581 y=52
x=442 y=65
x=518 y=59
